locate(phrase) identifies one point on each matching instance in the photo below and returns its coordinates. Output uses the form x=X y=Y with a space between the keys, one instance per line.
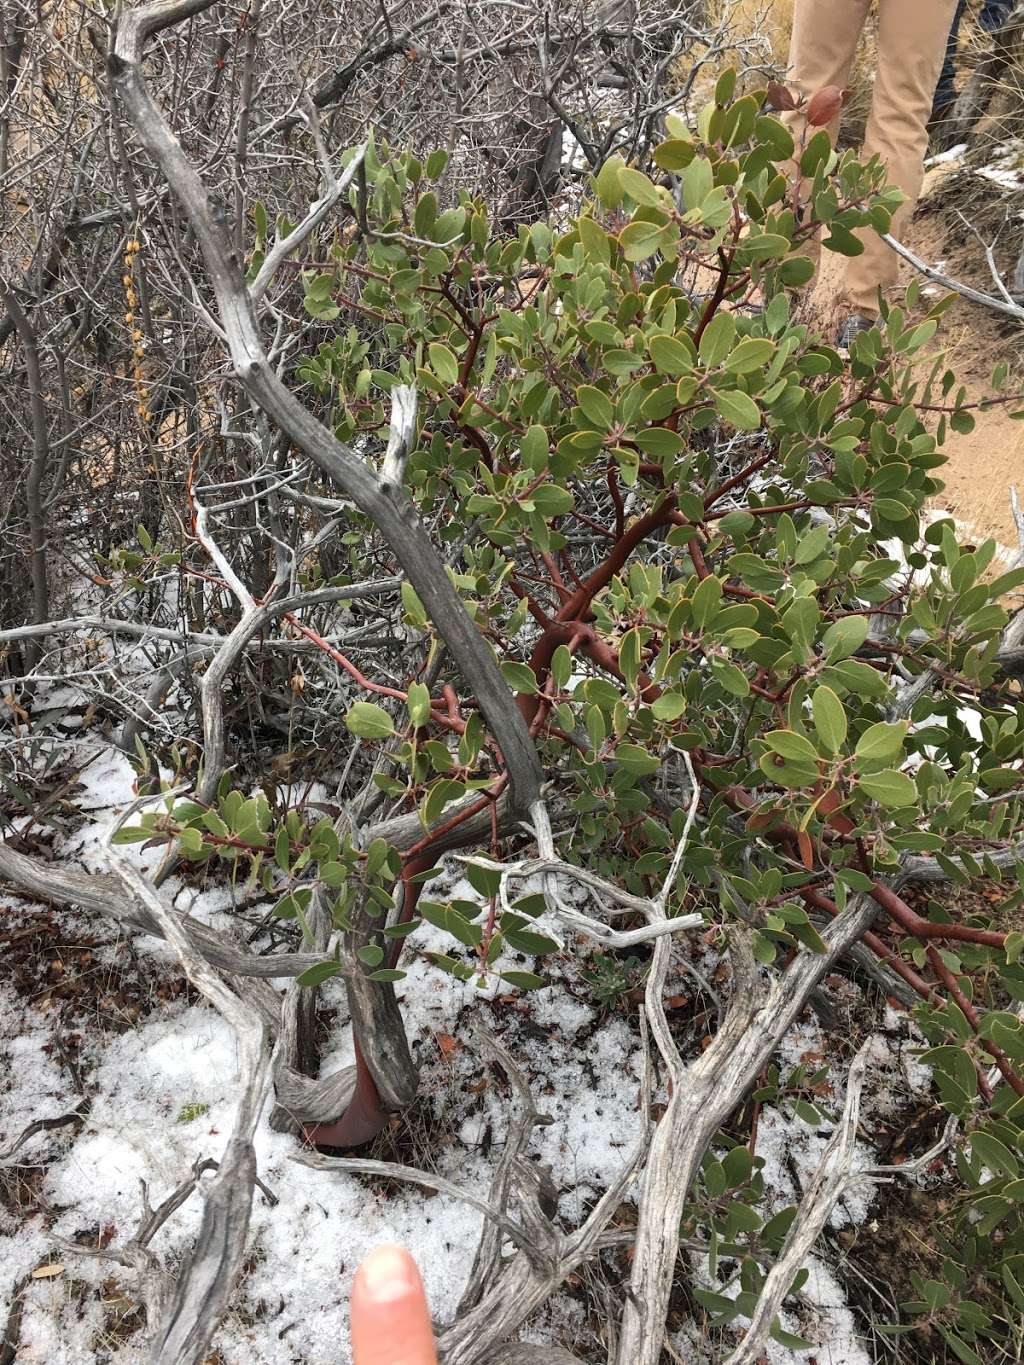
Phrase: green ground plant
x=694 y=536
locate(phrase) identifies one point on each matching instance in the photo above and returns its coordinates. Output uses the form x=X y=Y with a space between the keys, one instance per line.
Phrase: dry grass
x=773 y=18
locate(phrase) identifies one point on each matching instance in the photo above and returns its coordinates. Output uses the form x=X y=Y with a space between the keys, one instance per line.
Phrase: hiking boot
x=852 y=327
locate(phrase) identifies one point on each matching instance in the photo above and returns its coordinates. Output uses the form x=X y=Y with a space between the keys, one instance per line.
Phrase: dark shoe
x=854 y=325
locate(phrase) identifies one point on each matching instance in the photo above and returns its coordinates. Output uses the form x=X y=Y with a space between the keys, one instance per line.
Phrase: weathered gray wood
x=502 y=1293
x=521 y=1125
x=527 y=1353
x=210 y=1272
x=303 y=1099
x=703 y=1095
x=378 y=1026
x=830 y=1179
x=384 y=503
x=102 y=895
x=298 y=1097
x=967 y=291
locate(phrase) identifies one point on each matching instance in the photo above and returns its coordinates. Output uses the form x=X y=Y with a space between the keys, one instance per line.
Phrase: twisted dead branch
x=703 y=1095
x=204 y=1284
x=1004 y=305
x=833 y=1174
x=384 y=503
x=621 y=902
x=103 y=895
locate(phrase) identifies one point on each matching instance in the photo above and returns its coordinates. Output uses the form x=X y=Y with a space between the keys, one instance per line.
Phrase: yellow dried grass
x=773 y=18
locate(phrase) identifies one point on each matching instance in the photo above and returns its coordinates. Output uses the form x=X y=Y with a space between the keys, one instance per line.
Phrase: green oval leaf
x=596 y=406
x=368 y=721
x=418 y=704
x=519 y=677
x=525 y=981
x=717 y=339
x=443 y=362
x=882 y=743
x=738 y=408
x=669 y=356
x=844 y=637
x=889 y=788
x=829 y=719
x=315 y=976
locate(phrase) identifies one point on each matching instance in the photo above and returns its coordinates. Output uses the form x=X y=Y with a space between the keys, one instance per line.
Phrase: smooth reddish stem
x=362 y=1120
x=924 y=928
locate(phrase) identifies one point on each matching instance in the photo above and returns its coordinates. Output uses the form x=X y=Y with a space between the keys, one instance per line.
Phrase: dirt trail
x=982 y=466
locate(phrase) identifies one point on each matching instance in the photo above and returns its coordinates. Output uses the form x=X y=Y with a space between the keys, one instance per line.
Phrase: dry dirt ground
x=984 y=465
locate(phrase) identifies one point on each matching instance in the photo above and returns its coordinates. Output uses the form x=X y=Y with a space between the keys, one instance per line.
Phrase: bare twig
x=40 y=1126
x=203 y=1286
x=830 y=1179
x=333 y=190
x=393 y=1171
x=999 y=305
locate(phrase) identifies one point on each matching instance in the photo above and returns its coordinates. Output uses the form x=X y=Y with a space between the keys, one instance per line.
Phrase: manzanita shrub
x=694 y=535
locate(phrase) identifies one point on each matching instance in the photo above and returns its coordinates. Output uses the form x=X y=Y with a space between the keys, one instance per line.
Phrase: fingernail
x=388 y=1273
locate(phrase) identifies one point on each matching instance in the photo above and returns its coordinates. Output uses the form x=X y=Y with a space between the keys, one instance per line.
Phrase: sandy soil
x=984 y=465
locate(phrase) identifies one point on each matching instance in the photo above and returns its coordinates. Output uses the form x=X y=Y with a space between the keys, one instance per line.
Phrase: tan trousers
x=912 y=38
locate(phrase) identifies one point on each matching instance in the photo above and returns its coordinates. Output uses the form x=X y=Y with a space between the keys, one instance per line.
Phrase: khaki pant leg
x=821 y=53
x=912 y=38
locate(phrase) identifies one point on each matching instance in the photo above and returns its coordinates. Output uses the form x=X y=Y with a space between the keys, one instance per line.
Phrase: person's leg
x=912 y=38
x=822 y=47
x=823 y=44
x=945 y=91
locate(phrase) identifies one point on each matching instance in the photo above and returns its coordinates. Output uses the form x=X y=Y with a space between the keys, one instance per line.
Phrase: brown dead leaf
x=803 y=840
x=780 y=97
x=824 y=106
x=47 y=1272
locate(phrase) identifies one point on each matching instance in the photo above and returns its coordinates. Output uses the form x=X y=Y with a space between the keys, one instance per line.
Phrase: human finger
x=390 y=1322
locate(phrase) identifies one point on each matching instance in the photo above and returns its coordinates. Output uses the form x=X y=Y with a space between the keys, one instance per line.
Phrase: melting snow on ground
x=162 y=1095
